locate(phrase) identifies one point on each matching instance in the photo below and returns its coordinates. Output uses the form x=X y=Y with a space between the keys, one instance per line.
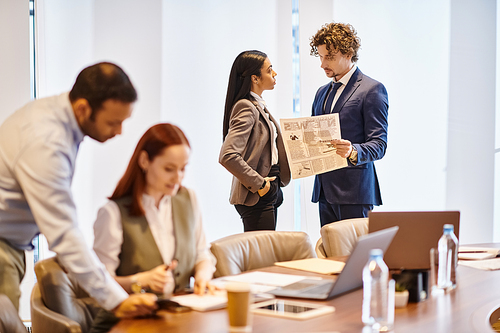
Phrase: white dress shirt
x=108 y=233
x=274 y=131
x=38 y=148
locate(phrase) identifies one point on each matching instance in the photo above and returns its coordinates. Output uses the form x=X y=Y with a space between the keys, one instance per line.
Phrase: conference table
x=471 y=307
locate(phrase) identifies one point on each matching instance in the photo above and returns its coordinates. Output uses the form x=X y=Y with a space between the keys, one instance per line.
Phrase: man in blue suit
x=362 y=105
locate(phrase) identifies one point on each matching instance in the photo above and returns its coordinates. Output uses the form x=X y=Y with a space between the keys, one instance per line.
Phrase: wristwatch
x=353 y=157
x=263 y=185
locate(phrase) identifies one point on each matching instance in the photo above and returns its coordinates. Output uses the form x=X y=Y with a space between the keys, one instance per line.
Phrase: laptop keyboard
x=299 y=285
x=315 y=287
x=321 y=289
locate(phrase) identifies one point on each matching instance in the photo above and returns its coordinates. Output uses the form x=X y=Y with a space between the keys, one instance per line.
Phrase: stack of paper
x=316 y=265
x=486 y=265
x=260 y=283
x=203 y=303
x=479 y=257
x=477 y=253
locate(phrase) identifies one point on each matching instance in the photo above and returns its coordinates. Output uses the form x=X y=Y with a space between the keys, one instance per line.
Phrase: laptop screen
x=418 y=233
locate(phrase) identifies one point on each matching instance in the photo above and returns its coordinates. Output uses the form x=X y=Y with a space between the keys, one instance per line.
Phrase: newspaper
x=308 y=147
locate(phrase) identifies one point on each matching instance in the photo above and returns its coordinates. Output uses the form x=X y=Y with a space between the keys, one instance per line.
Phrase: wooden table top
x=466 y=309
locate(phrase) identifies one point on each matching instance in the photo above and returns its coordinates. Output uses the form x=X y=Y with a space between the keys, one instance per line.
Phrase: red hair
x=153 y=142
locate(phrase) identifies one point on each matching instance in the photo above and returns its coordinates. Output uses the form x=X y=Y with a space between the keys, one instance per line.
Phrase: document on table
x=265 y=278
x=486 y=265
x=316 y=265
x=216 y=301
x=203 y=303
x=477 y=253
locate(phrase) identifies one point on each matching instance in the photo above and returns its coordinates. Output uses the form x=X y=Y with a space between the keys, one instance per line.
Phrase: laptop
x=418 y=233
x=351 y=276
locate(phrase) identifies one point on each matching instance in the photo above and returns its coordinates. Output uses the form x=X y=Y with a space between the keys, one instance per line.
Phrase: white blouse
x=274 y=130
x=108 y=232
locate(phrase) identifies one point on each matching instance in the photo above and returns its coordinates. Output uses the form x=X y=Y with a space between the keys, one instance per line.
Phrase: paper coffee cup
x=239 y=299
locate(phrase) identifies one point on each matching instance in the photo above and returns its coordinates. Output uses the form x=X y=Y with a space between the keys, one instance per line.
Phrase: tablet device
x=291 y=309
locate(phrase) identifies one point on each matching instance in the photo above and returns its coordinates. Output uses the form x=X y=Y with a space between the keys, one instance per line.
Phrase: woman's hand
x=201 y=285
x=263 y=192
x=156 y=278
x=204 y=272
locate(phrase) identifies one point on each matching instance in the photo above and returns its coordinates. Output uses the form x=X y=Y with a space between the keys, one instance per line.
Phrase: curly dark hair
x=338 y=37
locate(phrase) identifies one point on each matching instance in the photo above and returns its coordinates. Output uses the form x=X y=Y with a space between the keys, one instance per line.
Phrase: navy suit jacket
x=362 y=109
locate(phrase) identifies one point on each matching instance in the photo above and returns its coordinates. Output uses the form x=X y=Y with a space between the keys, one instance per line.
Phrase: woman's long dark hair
x=156 y=139
x=245 y=65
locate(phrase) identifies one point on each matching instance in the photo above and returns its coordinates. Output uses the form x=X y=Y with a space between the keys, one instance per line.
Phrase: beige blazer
x=246 y=152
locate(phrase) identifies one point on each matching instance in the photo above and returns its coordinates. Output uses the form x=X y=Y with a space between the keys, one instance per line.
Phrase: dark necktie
x=331 y=96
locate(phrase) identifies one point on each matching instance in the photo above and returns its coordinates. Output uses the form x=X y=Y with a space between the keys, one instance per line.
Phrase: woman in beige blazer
x=253 y=149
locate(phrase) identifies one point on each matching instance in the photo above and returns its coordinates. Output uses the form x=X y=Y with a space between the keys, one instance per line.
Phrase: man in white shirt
x=38 y=148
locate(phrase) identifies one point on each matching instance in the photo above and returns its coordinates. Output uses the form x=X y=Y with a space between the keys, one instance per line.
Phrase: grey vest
x=139 y=251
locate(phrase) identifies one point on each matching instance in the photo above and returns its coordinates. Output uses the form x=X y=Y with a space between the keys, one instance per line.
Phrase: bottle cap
x=448 y=227
x=376 y=253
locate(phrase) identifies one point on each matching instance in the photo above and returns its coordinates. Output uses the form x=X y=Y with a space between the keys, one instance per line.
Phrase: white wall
x=496 y=197
x=201 y=39
x=14 y=58
x=15 y=91
x=471 y=134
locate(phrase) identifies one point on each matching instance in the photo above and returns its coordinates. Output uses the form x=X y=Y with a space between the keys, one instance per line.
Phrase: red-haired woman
x=149 y=235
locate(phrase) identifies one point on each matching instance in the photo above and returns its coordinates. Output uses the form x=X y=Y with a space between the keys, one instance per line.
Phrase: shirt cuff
x=113 y=296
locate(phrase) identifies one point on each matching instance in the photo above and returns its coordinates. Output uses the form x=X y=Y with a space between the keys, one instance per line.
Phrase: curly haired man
x=362 y=104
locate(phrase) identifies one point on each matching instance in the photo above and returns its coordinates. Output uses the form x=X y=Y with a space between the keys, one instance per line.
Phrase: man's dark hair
x=100 y=82
x=337 y=37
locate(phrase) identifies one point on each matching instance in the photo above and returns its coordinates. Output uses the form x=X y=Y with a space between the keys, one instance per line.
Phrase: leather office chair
x=256 y=249
x=58 y=303
x=9 y=318
x=339 y=238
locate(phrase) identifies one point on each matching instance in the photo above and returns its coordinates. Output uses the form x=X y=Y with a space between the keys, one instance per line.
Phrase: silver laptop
x=418 y=233
x=351 y=276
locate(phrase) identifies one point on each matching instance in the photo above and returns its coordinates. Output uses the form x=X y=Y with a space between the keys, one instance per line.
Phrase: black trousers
x=264 y=214
x=329 y=213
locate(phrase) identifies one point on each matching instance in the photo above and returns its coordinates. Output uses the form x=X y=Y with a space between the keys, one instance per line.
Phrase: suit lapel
x=349 y=89
x=263 y=114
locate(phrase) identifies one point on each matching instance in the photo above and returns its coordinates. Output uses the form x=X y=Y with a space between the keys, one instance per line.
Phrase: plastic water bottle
x=448 y=258
x=376 y=312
